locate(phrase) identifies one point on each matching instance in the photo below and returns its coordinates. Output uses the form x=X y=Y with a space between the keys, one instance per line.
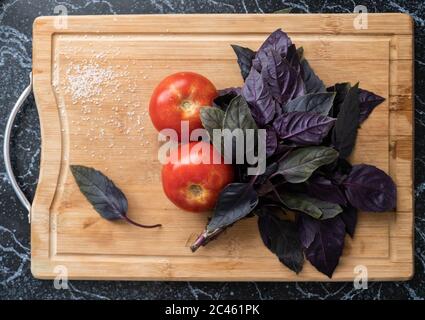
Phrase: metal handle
x=6 y=149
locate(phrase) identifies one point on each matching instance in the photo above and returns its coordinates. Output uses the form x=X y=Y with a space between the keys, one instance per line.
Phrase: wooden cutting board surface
x=93 y=77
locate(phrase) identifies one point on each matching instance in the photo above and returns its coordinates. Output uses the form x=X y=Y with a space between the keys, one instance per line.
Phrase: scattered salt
x=85 y=81
x=93 y=81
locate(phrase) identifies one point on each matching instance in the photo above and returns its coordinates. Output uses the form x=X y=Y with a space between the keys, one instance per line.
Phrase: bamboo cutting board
x=93 y=78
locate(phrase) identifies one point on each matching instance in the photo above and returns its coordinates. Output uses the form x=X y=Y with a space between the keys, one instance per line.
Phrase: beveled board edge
x=42 y=265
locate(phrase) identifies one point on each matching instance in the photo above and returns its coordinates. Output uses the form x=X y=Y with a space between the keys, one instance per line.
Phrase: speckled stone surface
x=16 y=282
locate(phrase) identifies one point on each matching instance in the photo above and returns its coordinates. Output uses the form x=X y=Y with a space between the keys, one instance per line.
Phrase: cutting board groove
x=92 y=84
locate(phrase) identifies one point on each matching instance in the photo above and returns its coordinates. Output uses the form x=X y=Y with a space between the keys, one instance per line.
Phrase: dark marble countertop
x=16 y=281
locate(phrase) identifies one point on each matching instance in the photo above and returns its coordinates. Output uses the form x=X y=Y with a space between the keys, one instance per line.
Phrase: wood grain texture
x=92 y=83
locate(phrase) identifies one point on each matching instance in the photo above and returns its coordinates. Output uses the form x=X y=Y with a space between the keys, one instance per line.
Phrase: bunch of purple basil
x=309 y=195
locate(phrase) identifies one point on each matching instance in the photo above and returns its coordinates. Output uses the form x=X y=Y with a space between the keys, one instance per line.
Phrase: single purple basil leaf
x=349 y=216
x=300 y=164
x=273 y=72
x=266 y=228
x=303 y=128
x=370 y=189
x=293 y=84
x=368 y=102
x=284 y=81
x=300 y=53
x=278 y=41
x=257 y=64
x=313 y=84
x=282 y=71
x=281 y=238
x=211 y=118
x=258 y=94
x=235 y=202
x=245 y=56
x=340 y=90
x=106 y=198
x=326 y=247
x=306 y=229
x=224 y=97
x=345 y=131
x=323 y=189
x=293 y=59
x=238 y=115
x=271 y=141
x=315 y=208
x=319 y=103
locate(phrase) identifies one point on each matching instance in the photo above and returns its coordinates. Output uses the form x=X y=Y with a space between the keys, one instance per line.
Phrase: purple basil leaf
x=271 y=141
x=235 y=202
x=106 y=198
x=300 y=164
x=278 y=41
x=245 y=56
x=323 y=189
x=257 y=93
x=340 y=90
x=300 y=53
x=349 y=216
x=284 y=81
x=211 y=118
x=303 y=128
x=293 y=85
x=312 y=82
x=293 y=59
x=345 y=131
x=281 y=238
x=370 y=189
x=266 y=227
x=278 y=62
x=319 y=103
x=306 y=229
x=326 y=247
x=273 y=72
x=315 y=208
x=224 y=97
x=368 y=102
x=238 y=117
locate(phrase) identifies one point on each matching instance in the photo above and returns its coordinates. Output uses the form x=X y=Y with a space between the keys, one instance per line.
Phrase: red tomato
x=193 y=182
x=179 y=97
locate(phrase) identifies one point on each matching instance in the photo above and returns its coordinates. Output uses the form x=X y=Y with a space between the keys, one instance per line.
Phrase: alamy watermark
x=361 y=279
x=238 y=146
x=360 y=21
x=61 y=19
x=61 y=280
